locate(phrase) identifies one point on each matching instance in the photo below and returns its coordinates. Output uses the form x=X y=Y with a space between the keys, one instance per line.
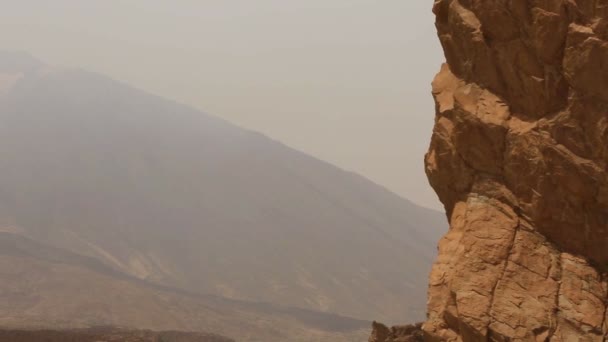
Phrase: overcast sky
x=347 y=81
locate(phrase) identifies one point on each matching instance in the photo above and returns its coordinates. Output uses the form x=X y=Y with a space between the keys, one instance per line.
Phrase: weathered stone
x=402 y=333
x=518 y=157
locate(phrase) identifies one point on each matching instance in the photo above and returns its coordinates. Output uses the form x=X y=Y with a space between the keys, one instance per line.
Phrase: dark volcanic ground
x=107 y=335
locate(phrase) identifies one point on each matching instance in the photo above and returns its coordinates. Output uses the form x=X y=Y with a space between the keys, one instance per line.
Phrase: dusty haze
x=343 y=80
x=154 y=215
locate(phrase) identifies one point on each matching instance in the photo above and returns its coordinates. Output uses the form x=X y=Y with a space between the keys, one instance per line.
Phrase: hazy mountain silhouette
x=161 y=192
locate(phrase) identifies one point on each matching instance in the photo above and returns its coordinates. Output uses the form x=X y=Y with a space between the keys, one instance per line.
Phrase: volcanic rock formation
x=518 y=157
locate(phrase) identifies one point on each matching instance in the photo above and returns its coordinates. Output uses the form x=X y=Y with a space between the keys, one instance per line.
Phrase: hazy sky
x=347 y=81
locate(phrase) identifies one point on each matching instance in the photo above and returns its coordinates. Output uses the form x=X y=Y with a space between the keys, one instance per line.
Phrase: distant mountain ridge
x=169 y=195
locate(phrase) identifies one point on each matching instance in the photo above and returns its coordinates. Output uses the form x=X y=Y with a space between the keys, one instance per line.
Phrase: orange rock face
x=518 y=157
x=403 y=333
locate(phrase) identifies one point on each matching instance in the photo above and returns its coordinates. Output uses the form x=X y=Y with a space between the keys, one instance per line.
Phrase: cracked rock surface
x=518 y=158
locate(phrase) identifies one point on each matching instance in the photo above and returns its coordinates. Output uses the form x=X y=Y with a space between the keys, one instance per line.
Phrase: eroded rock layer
x=518 y=157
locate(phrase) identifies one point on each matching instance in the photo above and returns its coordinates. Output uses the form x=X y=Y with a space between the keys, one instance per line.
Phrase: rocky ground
x=403 y=333
x=107 y=335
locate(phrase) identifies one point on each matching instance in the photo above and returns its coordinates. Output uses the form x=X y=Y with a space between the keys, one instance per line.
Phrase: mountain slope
x=46 y=287
x=170 y=195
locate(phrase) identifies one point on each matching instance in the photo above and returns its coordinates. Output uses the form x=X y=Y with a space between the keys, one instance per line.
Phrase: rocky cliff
x=518 y=157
